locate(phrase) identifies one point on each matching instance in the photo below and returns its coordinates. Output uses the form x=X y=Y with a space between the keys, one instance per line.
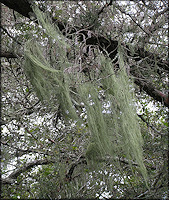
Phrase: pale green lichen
x=115 y=132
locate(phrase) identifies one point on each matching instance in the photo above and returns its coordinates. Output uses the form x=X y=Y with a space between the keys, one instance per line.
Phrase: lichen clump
x=111 y=121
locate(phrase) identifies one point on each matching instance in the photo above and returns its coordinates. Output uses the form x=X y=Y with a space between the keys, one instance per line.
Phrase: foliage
x=127 y=136
x=69 y=111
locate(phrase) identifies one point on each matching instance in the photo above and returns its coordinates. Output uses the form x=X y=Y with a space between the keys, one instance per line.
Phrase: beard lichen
x=114 y=129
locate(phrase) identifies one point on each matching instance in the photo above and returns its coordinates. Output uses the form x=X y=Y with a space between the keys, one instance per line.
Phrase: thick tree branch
x=69 y=174
x=28 y=166
x=21 y=6
x=24 y=7
x=103 y=42
x=151 y=90
x=12 y=177
x=8 y=55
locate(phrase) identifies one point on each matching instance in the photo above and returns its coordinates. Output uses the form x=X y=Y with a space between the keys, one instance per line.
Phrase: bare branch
x=28 y=166
x=133 y=20
x=26 y=151
x=105 y=6
x=149 y=125
x=8 y=54
x=151 y=90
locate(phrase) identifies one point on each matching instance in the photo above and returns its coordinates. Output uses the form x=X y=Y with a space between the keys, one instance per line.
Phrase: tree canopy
x=84 y=99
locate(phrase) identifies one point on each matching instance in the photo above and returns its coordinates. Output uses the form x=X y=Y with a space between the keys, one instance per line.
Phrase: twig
x=142 y=195
x=105 y=6
x=149 y=125
x=133 y=20
x=8 y=55
x=25 y=151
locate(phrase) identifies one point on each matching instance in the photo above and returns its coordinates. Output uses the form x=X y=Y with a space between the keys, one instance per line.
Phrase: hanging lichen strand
x=122 y=122
x=116 y=131
x=49 y=81
x=112 y=121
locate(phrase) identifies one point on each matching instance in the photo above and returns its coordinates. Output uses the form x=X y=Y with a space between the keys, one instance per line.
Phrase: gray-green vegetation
x=72 y=127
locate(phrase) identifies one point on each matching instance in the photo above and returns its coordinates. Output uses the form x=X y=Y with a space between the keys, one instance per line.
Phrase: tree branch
x=21 y=6
x=105 y=6
x=148 y=124
x=152 y=91
x=17 y=172
x=103 y=43
x=26 y=151
x=133 y=20
x=81 y=160
x=8 y=55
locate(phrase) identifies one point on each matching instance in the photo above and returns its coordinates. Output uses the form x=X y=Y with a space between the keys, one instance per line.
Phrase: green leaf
x=27 y=89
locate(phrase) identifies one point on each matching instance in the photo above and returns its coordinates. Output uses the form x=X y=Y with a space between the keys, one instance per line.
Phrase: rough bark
x=153 y=92
x=8 y=55
x=12 y=177
x=21 y=6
